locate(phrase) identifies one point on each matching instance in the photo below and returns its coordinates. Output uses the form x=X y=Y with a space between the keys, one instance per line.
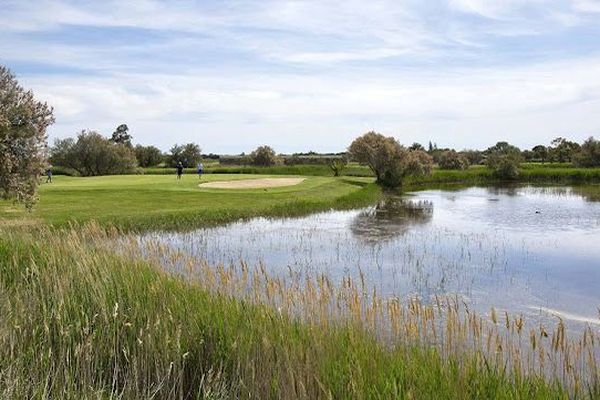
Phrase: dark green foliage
x=189 y=155
x=589 y=154
x=148 y=156
x=504 y=160
x=121 y=135
x=93 y=155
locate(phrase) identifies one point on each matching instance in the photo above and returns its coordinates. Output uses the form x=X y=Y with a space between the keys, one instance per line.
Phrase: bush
x=450 y=159
x=92 y=155
x=389 y=160
x=589 y=154
x=263 y=156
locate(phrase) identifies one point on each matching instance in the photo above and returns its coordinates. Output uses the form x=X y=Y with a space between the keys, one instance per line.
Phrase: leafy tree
x=563 y=150
x=92 y=155
x=389 y=160
x=263 y=156
x=416 y=146
x=121 y=135
x=450 y=159
x=589 y=154
x=540 y=153
x=504 y=159
x=23 y=124
x=148 y=156
x=188 y=154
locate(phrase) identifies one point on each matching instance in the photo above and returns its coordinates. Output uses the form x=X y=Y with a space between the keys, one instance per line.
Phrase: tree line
x=24 y=153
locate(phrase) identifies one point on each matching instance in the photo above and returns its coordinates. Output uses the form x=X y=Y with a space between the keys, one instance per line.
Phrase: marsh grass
x=83 y=321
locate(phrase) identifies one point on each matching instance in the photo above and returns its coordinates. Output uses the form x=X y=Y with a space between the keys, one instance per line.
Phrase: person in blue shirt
x=200 y=170
x=49 y=174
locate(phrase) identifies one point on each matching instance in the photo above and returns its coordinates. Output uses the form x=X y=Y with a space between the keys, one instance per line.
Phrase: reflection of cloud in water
x=391 y=217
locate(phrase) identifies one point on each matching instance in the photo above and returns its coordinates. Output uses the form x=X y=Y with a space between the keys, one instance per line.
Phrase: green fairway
x=161 y=201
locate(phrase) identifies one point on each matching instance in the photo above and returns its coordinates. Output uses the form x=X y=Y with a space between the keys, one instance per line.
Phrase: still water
x=529 y=250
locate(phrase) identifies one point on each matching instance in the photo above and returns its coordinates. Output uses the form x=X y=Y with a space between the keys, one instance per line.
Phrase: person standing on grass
x=179 y=170
x=200 y=170
x=49 y=174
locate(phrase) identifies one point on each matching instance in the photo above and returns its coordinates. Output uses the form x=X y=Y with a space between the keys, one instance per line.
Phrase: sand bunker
x=253 y=183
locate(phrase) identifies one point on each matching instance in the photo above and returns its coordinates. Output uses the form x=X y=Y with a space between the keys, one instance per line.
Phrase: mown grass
x=551 y=173
x=143 y=202
x=81 y=322
x=306 y=170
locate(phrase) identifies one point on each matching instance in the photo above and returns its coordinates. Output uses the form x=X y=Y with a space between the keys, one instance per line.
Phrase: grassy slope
x=160 y=201
x=82 y=323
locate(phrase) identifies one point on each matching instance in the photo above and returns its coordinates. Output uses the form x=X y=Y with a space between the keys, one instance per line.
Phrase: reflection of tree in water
x=391 y=217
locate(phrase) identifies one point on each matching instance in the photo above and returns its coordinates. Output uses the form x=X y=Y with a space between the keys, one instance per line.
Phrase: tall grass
x=79 y=321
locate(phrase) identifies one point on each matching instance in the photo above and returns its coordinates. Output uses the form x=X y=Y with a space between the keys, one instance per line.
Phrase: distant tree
x=589 y=154
x=121 y=135
x=474 y=157
x=430 y=147
x=504 y=159
x=189 y=155
x=263 y=156
x=338 y=165
x=563 y=150
x=23 y=124
x=389 y=160
x=540 y=153
x=92 y=154
x=416 y=146
x=450 y=159
x=148 y=156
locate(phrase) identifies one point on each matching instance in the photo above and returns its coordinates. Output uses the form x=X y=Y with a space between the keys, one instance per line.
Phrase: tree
x=263 y=156
x=23 y=124
x=92 y=155
x=416 y=146
x=540 y=153
x=504 y=159
x=337 y=165
x=148 y=156
x=450 y=159
x=563 y=150
x=473 y=156
x=121 y=135
x=589 y=154
x=188 y=154
x=389 y=160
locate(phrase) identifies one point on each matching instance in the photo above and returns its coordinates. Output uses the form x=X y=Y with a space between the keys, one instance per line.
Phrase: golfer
x=179 y=170
x=200 y=170
x=49 y=175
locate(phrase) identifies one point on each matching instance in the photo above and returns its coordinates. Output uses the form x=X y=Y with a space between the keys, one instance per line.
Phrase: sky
x=311 y=75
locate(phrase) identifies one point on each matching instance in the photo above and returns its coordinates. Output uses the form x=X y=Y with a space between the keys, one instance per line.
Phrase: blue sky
x=302 y=75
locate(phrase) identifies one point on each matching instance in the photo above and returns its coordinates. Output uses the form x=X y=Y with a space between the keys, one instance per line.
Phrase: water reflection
x=522 y=249
x=391 y=217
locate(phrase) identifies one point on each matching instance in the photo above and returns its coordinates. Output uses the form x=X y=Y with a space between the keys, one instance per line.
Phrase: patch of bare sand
x=253 y=183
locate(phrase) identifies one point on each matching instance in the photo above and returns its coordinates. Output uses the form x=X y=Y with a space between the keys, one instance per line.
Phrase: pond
x=528 y=250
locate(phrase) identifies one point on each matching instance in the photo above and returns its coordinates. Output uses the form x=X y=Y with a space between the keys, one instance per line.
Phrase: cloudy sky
x=301 y=75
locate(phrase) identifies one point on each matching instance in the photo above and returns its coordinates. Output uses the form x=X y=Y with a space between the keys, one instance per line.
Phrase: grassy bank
x=80 y=322
x=142 y=202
